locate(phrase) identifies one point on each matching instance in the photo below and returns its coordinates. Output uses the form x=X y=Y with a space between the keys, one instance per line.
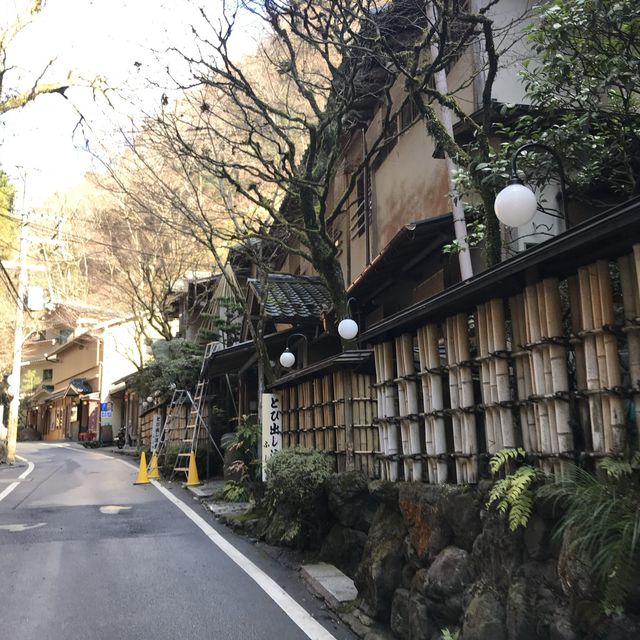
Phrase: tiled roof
x=293 y=298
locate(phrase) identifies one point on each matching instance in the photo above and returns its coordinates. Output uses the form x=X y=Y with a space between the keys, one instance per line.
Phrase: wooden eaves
x=607 y=236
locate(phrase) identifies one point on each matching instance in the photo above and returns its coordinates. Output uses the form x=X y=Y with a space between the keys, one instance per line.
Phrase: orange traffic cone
x=154 y=472
x=192 y=478
x=142 y=473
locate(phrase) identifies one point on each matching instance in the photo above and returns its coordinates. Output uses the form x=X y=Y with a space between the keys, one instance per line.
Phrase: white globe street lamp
x=287 y=359
x=516 y=204
x=348 y=329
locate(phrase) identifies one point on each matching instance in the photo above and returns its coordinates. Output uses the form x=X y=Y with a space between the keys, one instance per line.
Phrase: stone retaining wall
x=430 y=557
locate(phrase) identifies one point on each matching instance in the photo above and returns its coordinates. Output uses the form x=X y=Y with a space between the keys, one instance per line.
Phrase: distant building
x=74 y=361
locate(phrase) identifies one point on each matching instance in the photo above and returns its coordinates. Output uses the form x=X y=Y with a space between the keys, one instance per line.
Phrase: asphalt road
x=86 y=555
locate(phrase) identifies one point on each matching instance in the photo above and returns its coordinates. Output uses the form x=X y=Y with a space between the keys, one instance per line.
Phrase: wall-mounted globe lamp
x=287 y=357
x=348 y=327
x=516 y=204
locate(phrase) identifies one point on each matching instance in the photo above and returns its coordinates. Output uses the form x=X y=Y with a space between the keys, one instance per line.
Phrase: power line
x=9 y=284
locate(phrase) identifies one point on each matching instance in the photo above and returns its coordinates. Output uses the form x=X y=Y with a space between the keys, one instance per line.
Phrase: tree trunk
x=493 y=242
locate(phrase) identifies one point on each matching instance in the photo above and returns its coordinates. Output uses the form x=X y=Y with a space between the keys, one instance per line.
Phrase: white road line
x=22 y=476
x=298 y=614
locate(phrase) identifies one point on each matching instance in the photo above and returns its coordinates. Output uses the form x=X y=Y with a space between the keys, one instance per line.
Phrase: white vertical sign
x=271 y=428
x=156 y=425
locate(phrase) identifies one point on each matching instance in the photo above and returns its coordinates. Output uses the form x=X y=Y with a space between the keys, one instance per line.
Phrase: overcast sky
x=87 y=38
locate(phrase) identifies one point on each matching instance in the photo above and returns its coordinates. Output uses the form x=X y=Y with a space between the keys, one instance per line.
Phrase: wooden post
x=348 y=419
x=631 y=299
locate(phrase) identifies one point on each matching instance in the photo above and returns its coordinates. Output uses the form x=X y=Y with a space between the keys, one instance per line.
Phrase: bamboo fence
x=554 y=368
x=314 y=417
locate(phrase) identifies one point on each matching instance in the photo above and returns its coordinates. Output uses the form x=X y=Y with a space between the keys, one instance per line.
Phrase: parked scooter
x=120 y=438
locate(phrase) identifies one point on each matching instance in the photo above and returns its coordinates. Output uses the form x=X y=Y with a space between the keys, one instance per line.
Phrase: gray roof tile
x=293 y=298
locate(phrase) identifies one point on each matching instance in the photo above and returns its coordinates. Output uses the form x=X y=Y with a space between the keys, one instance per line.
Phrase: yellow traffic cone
x=142 y=473
x=192 y=478
x=154 y=472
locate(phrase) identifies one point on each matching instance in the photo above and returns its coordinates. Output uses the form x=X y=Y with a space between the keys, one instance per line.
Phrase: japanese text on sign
x=271 y=428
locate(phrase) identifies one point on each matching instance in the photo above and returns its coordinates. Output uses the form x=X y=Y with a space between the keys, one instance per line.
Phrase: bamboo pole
x=348 y=416
x=437 y=401
x=523 y=375
x=318 y=421
x=402 y=410
x=591 y=362
x=390 y=392
x=631 y=301
x=382 y=408
x=370 y=445
x=595 y=283
x=538 y=373
x=454 y=393
x=412 y=405
x=558 y=359
x=548 y=375
x=580 y=362
x=612 y=371
x=482 y=337
x=503 y=385
x=467 y=398
x=341 y=416
x=427 y=403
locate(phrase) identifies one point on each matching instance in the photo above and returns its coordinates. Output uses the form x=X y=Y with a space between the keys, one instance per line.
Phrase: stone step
x=329 y=583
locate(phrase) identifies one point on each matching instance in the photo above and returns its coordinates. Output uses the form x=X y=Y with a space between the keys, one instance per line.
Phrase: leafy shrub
x=243 y=442
x=295 y=500
x=295 y=475
x=602 y=523
x=175 y=364
x=233 y=491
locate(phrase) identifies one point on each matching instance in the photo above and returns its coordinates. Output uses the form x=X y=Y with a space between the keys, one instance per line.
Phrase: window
x=409 y=113
x=362 y=213
x=47 y=374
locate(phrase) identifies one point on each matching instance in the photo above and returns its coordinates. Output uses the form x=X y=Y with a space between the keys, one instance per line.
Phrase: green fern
x=502 y=457
x=450 y=635
x=617 y=469
x=513 y=495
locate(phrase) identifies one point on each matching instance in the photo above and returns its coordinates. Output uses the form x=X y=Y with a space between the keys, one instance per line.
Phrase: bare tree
x=269 y=126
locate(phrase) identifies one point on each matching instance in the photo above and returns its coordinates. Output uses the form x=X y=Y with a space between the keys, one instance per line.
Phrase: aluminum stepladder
x=190 y=436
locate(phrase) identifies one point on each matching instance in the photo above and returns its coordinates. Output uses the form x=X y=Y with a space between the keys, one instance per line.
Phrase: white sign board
x=271 y=428
x=156 y=426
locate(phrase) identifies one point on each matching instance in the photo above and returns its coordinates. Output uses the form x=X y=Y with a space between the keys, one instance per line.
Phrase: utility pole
x=14 y=386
